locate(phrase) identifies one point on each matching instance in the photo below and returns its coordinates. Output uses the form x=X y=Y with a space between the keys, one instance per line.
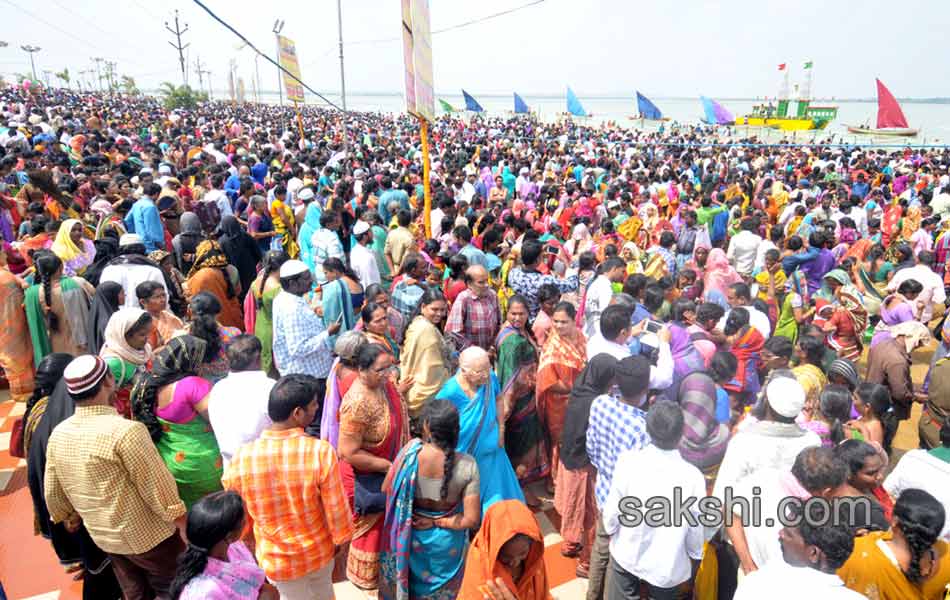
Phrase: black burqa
x=593 y=381
x=99 y=580
x=104 y=303
x=242 y=251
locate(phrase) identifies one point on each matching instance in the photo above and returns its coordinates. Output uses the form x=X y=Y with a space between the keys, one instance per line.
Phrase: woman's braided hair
x=47 y=264
x=920 y=518
x=442 y=418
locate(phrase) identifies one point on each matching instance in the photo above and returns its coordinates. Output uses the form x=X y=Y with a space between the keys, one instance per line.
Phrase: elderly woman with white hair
x=475 y=392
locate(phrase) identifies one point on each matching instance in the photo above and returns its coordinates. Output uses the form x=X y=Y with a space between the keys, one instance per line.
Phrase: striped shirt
x=614 y=427
x=294 y=495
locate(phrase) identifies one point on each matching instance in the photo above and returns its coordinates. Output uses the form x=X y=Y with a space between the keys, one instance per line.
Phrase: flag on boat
x=647 y=109
x=574 y=105
x=520 y=107
x=471 y=104
x=715 y=113
x=446 y=106
x=781 y=67
x=807 y=65
x=889 y=113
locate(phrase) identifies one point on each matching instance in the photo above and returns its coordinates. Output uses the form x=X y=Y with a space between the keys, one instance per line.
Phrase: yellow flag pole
x=299 y=121
x=427 y=192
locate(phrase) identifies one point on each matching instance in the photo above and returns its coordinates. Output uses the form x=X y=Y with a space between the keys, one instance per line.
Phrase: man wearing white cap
x=301 y=343
x=759 y=452
x=362 y=259
x=131 y=268
x=104 y=471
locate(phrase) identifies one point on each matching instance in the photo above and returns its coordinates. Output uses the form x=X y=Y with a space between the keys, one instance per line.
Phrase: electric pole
x=178 y=31
x=200 y=72
x=339 y=20
x=46 y=73
x=110 y=74
x=278 y=27
x=31 y=50
x=210 y=88
x=98 y=74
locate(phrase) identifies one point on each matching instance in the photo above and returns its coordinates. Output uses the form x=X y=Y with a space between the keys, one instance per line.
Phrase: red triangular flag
x=781 y=67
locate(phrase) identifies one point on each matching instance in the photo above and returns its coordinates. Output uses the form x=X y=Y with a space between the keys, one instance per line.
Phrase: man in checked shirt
x=475 y=314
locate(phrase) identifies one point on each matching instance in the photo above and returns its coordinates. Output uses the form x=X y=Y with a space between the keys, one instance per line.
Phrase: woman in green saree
x=265 y=288
x=795 y=306
x=517 y=370
x=172 y=401
x=126 y=349
x=57 y=309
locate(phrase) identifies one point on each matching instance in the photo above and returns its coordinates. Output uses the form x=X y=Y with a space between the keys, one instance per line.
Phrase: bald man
x=475 y=393
x=475 y=314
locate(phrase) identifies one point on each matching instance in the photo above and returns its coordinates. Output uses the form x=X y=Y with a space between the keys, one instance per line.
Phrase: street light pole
x=98 y=74
x=339 y=19
x=31 y=50
x=278 y=27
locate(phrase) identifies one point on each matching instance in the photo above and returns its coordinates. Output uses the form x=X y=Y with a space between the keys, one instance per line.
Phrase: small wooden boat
x=647 y=111
x=890 y=118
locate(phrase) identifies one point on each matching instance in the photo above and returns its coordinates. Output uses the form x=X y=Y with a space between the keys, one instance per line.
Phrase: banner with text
x=288 y=60
x=417 y=54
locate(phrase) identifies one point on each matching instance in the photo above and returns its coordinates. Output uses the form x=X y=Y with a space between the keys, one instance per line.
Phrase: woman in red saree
x=562 y=359
x=746 y=344
x=889 y=224
x=373 y=427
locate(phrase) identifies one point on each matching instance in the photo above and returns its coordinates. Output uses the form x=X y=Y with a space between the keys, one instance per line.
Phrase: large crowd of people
x=254 y=365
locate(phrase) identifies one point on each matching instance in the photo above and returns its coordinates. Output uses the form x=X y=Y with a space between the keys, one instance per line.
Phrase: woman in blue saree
x=432 y=503
x=337 y=303
x=310 y=226
x=474 y=391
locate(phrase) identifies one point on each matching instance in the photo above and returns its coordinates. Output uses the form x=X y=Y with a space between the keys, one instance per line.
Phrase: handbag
x=368 y=496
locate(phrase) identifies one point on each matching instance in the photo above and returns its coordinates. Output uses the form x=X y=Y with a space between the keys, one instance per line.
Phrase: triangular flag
x=807 y=65
x=781 y=67
x=446 y=106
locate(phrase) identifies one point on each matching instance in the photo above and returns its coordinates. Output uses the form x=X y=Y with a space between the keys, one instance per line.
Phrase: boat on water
x=647 y=111
x=806 y=116
x=574 y=106
x=714 y=113
x=471 y=104
x=890 y=118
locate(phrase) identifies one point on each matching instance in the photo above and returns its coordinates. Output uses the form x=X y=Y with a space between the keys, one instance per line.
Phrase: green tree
x=128 y=86
x=63 y=76
x=181 y=96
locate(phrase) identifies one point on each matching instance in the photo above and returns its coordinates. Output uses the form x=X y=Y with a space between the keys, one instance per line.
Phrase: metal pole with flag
x=420 y=99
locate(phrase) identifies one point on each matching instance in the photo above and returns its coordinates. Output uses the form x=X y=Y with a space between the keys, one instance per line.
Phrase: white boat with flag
x=890 y=118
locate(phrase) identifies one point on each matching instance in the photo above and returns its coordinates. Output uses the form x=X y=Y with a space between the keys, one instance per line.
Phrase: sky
x=665 y=48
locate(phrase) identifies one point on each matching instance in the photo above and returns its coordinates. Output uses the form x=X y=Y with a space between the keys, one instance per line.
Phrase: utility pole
x=31 y=50
x=178 y=31
x=278 y=27
x=200 y=72
x=46 y=73
x=210 y=88
x=98 y=74
x=339 y=21
x=110 y=74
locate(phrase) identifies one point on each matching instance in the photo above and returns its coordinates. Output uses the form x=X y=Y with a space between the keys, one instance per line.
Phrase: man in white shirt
x=237 y=405
x=812 y=555
x=615 y=330
x=663 y=556
x=923 y=470
x=767 y=446
x=941 y=203
x=743 y=247
x=131 y=268
x=853 y=209
x=922 y=272
x=738 y=295
x=362 y=259
x=600 y=292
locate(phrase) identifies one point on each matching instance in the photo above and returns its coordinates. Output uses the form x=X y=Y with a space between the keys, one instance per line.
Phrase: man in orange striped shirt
x=294 y=495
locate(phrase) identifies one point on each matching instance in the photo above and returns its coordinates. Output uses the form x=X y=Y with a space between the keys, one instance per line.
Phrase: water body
x=932 y=119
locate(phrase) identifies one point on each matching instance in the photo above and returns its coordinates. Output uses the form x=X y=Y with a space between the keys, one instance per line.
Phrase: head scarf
x=230 y=227
x=704 y=438
x=915 y=333
x=180 y=358
x=104 y=303
x=189 y=224
x=719 y=273
x=502 y=522
x=590 y=383
x=209 y=254
x=911 y=222
x=116 y=345
x=63 y=245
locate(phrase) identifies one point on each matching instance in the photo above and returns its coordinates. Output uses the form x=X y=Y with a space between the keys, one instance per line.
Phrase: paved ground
x=29 y=569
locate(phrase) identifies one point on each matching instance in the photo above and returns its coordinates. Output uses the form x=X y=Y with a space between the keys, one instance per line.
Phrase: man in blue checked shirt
x=615 y=426
x=301 y=342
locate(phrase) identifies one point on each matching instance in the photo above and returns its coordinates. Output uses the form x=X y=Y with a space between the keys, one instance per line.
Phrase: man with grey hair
x=475 y=314
x=475 y=392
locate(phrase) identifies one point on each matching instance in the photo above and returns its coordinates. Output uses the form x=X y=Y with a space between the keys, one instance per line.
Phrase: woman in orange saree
x=562 y=359
x=16 y=348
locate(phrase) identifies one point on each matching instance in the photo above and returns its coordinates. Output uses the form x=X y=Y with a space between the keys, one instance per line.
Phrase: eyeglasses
x=384 y=370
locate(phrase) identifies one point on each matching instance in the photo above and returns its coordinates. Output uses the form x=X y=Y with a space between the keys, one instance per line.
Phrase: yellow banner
x=417 y=55
x=288 y=60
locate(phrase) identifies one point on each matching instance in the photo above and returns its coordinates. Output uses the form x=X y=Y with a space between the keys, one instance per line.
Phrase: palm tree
x=128 y=86
x=63 y=76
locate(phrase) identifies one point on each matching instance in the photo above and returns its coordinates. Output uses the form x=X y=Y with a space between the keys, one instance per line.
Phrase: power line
x=269 y=59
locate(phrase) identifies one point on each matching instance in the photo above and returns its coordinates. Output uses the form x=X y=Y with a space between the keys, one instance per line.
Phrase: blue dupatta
x=336 y=301
x=423 y=564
